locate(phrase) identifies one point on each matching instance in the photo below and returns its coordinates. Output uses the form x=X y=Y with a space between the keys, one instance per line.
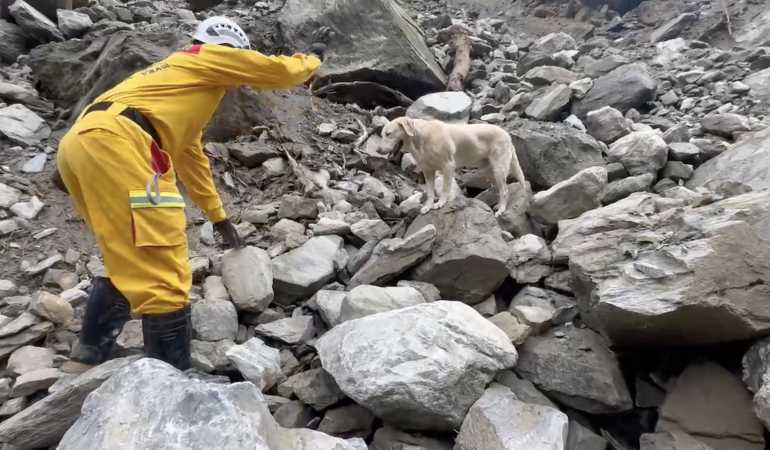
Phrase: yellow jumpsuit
x=105 y=163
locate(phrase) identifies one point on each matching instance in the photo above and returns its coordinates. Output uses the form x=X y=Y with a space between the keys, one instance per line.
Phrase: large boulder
x=640 y=152
x=628 y=86
x=574 y=366
x=648 y=275
x=124 y=413
x=418 y=368
x=759 y=82
x=712 y=405
x=47 y=8
x=34 y=23
x=552 y=152
x=499 y=420
x=303 y=271
x=747 y=162
x=75 y=72
x=470 y=258
x=15 y=42
x=44 y=423
x=570 y=198
x=376 y=41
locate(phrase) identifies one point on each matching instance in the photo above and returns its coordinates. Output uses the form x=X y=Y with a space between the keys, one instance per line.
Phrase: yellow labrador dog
x=438 y=146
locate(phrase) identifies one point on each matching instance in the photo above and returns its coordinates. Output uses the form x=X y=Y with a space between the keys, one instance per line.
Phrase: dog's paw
x=439 y=205
x=499 y=213
x=425 y=209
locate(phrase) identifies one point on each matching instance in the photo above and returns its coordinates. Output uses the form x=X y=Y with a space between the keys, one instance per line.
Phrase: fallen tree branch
x=303 y=174
x=727 y=17
x=458 y=38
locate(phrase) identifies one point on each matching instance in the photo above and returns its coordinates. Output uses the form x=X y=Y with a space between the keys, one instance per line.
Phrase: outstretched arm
x=193 y=169
x=228 y=66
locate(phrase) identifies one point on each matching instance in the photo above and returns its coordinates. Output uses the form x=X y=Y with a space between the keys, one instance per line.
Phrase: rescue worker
x=118 y=163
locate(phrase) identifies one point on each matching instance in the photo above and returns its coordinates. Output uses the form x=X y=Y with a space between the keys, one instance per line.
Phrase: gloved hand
x=321 y=37
x=227 y=230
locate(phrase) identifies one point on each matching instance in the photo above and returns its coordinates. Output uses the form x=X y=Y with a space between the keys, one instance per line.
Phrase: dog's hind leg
x=499 y=175
x=515 y=168
x=430 y=186
x=447 y=177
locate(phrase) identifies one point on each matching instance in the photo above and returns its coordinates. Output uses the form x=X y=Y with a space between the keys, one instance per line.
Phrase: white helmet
x=221 y=30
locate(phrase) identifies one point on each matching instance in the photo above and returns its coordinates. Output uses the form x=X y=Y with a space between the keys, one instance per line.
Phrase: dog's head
x=394 y=134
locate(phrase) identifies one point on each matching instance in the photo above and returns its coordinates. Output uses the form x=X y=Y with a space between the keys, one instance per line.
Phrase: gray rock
x=292 y=330
x=628 y=86
x=34 y=23
x=370 y=229
x=449 y=107
x=149 y=391
x=293 y=414
x=388 y=48
x=676 y=171
x=759 y=83
x=756 y=363
x=302 y=271
x=499 y=420
x=214 y=320
x=578 y=371
x=439 y=387
x=329 y=305
x=28 y=210
x=15 y=42
x=559 y=308
x=391 y=257
x=713 y=406
x=725 y=124
x=296 y=207
x=327 y=227
x=131 y=339
x=692 y=282
x=257 y=363
x=346 y=419
x=620 y=189
x=747 y=162
x=316 y=388
x=549 y=106
x=214 y=289
x=604 y=66
x=552 y=152
x=28 y=359
x=570 y=198
x=248 y=275
x=251 y=154
x=22 y=126
x=8 y=196
x=13 y=407
x=548 y=75
x=365 y=300
x=640 y=152
x=469 y=258
x=553 y=42
x=683 y=151
x=44 y=423
x=534 y=59
x=429 y=292
x=36 y=164
x=73 y=24
x=387 y=438
x=531 y=259
x=523 y=389
x=607 y=124
x=673 y=28
x=285 y=227
x=516 y=331
x=581 y=438
x=36 y=380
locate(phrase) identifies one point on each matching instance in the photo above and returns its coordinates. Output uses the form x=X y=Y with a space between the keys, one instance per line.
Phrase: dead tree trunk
x=460 y=43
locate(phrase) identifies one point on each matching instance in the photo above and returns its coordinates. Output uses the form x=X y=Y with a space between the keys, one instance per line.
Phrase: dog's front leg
x=447 y=176
x=430 y=180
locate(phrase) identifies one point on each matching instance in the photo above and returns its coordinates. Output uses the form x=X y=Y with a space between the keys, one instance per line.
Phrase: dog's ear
x=408 y=125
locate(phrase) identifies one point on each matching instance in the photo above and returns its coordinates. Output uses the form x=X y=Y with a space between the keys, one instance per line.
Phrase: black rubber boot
x=107 y=310
x=167 y=337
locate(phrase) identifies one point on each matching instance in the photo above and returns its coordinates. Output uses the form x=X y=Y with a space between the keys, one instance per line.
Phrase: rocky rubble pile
x=351 y=321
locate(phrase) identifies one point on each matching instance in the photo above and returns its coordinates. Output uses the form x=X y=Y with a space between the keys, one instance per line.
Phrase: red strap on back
x=191 y=49
x=160 y=160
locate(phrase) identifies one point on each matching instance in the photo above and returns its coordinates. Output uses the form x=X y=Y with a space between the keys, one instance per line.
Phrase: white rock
x=214 y=320
x=640 y=152
x=510 y=424
x=248 y=275
x=28 y=210
x=8 y=196
x=28 y=359
x=366 y=300
x=420 y=367
x=304 y=270
x=257 y=363
x=73 y=24
x=450 y=107
x=22 y=126
x=36 y=164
